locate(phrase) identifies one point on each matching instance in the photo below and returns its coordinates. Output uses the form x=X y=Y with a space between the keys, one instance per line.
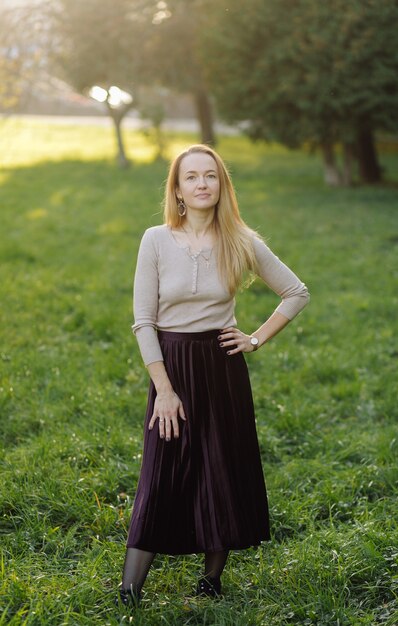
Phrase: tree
x=132 y=43
x=305 y=71
x=95 y=43
x=19 y=56
x=171 y=54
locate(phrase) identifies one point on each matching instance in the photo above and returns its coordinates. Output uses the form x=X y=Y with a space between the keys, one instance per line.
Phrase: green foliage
x=171 y=54
x=73 y=390
x=307 y=70
x=153 y=114
x=172 y=47
x=95 y=42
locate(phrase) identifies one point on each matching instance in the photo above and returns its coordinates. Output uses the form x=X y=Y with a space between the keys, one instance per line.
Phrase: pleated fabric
x=205 y=490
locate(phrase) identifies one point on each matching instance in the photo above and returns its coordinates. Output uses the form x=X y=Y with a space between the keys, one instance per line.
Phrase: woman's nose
x=202 y=181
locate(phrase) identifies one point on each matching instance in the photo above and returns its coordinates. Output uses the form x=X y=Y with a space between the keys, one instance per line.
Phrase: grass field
x=73 y=388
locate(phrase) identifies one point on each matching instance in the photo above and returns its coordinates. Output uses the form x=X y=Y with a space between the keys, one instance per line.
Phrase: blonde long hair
x=235 y=252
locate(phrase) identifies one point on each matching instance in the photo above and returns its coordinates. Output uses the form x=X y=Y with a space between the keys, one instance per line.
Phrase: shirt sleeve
x=146 y=299
x=281 y=280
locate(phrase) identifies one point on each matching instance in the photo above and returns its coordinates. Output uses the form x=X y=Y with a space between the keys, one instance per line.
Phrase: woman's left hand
x=234 y=337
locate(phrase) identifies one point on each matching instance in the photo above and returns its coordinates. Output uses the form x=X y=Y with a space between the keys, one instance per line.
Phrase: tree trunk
x=348 y=154
x=121 y=156
x=332 y=175
x=117 y=116
x=369 y=168
x=205 y=116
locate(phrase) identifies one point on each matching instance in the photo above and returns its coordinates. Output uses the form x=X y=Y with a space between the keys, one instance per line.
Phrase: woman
x=201 y=487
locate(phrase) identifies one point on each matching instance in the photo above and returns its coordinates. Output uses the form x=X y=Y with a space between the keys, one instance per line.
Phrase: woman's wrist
x=254 y=342
x=164 y=389
x=158 y=374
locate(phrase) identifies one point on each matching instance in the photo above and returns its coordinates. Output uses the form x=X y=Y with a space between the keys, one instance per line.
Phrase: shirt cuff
x=148 y=343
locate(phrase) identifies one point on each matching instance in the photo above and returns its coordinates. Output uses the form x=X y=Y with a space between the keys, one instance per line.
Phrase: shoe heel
x=127 y=598
x=208 y=586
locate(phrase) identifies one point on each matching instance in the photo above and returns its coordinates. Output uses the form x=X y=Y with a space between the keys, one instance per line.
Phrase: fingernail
x=219 y=337
x=229 y=352
x=221 y=344
x=167 y=438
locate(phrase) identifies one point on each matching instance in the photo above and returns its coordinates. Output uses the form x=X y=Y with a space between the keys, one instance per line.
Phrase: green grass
x=73 y=388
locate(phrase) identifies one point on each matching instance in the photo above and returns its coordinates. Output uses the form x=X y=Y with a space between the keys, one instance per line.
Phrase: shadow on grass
x=77 y=185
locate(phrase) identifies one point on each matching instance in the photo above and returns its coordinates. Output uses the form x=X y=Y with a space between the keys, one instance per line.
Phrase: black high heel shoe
x=208 y=586
x=127 y=598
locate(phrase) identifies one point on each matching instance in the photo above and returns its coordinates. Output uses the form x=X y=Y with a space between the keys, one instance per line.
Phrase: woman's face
x=198 y=181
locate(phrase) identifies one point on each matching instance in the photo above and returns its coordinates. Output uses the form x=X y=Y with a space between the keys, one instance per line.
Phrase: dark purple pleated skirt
x=204 y=491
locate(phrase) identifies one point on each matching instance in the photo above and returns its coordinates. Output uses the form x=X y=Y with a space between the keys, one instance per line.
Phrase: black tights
x=136 y=567
x=215 y=562
x=138 y=562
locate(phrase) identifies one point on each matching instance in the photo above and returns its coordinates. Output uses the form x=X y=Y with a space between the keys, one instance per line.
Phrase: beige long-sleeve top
x=176 y=291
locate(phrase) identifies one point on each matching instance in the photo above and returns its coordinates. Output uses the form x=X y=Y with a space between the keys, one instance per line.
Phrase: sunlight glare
x=36 y=214
x=97 y=93
x=118 y=96
x=114 y=95
x=162 y=13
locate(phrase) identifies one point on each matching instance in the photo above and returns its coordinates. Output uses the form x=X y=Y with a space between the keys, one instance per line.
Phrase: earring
x=182 y=209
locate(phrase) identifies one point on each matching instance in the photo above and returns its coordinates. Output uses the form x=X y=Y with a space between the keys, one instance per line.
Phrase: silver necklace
x=194 y=255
